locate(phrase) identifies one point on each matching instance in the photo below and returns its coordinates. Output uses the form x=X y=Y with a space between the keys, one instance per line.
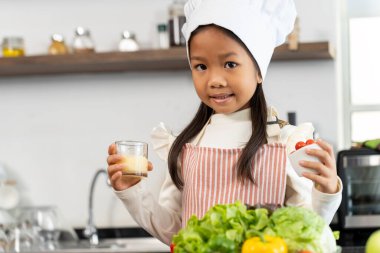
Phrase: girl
x=235 y=148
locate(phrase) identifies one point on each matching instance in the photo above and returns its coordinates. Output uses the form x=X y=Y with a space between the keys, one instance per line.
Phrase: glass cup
x=20 y=239
x=3 y=240
x=135 y=157
x=43 y=223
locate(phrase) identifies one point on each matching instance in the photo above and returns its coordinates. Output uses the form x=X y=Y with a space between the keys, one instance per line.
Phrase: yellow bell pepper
x=270 y=244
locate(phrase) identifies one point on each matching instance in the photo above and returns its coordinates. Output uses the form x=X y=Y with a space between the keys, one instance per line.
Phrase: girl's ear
x=258 y=77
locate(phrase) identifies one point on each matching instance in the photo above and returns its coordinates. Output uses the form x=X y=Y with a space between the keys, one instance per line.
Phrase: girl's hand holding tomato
x=326 y=179
x=115 y=170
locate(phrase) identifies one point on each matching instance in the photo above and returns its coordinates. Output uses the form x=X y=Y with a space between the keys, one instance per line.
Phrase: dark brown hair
x=258 y=138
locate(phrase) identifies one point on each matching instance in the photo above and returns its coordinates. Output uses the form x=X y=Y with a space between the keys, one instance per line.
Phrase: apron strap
x=273 y=126
x=201 y=133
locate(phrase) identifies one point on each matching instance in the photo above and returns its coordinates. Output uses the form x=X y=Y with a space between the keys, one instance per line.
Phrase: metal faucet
x=90 y=231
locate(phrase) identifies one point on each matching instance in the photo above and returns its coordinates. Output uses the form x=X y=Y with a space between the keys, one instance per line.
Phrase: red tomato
x=305 y=251
x=310 y=141
x=300 y=144
x=172 y=247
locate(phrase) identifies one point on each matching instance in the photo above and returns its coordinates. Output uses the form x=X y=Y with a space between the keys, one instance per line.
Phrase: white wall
x=55 y=130
x=363 y=8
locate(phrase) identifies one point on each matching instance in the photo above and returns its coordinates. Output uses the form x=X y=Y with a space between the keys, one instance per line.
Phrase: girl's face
x=224 y=75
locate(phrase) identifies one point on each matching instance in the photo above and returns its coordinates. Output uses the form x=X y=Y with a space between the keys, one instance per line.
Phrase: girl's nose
x=216 y=80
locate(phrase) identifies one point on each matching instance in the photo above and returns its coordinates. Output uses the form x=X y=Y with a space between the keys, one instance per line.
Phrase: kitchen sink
x=111 y=245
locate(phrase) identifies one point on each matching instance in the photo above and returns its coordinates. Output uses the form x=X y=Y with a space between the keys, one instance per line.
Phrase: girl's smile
x=222 y=98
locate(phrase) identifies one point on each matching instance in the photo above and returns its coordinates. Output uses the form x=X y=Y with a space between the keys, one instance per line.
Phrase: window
x=361 y=80
x=365 y=125
x=364 y=60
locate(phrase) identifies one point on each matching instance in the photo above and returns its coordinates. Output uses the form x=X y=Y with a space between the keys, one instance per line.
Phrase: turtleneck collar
x=239 y=116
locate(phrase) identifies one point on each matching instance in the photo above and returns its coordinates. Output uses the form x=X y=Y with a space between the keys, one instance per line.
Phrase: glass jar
x=83 y=42
x=163 y=36
x=13 y=47
x=128 y=42
x=176 y=20
x=57 y=45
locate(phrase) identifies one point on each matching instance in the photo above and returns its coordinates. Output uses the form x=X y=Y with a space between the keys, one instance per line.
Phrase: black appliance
x=359 y=170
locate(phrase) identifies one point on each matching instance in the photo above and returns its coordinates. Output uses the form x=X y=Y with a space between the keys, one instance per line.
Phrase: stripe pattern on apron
x=210 y=178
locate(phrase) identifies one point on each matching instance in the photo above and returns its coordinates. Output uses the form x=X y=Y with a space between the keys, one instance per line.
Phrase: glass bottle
x=163 y=36
x=176 y=20
x=13 y=47
x=293 y=37
x=57 y=45
x=128 y=42
x=82 y=42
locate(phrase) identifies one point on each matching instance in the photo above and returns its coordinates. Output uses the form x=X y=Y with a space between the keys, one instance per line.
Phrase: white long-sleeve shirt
x=162 y=218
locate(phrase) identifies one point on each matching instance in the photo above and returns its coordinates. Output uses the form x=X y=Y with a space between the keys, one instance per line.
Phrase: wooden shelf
x=306 y=51
x=144 y=60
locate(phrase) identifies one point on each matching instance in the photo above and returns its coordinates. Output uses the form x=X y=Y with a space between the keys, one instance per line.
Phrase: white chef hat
x=262 y=25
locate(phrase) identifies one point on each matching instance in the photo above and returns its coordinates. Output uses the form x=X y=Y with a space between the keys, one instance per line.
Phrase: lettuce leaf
x=301 y=228
x=223 y=228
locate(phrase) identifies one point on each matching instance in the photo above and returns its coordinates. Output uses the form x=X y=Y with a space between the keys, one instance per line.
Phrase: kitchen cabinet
x=144 y=60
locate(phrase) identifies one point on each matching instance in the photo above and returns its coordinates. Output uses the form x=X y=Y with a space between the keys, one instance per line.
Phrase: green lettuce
x=301 y=228
x=224 y=228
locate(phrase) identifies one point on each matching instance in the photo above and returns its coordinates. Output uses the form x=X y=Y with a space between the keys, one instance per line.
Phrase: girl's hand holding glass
x=326 y=179
x=117 y=167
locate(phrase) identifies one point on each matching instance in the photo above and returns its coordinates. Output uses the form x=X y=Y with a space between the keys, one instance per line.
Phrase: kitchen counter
x=353 y=249
x=351 y=242
x=354 y=237
x=348 y=249
x=345 y=250
x=134 y=245
x=147 y=245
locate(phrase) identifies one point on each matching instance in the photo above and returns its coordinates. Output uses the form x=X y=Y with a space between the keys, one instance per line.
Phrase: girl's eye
x=230 y=65
x=200 y=67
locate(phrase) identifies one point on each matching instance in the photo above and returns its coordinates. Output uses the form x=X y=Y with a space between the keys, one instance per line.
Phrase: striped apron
x=210 y=178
